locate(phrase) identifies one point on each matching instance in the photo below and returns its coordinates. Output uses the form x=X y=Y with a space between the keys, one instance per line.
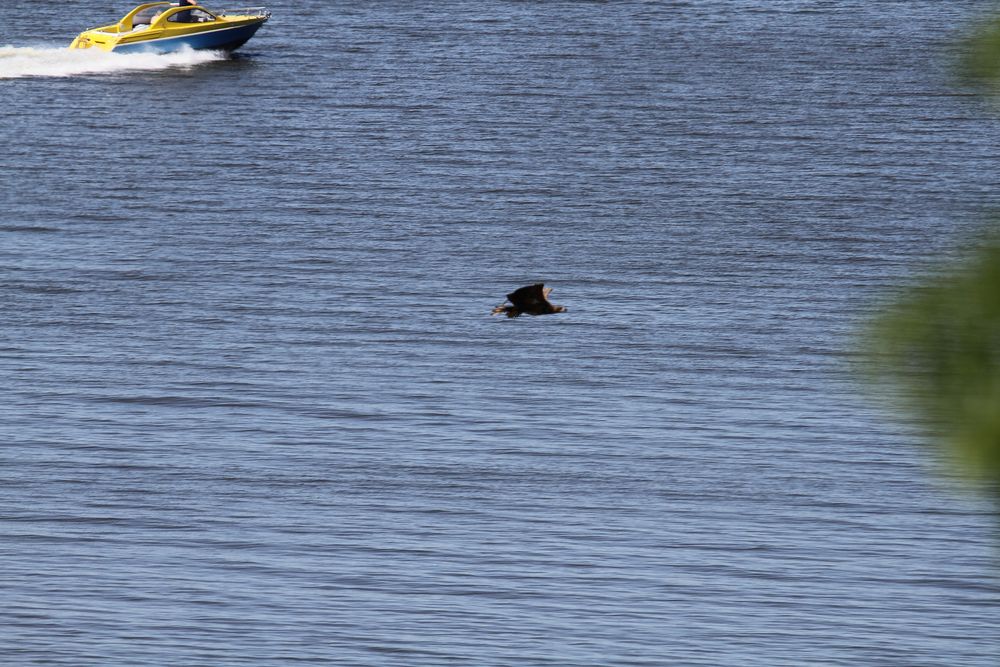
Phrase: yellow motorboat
x=164 y=27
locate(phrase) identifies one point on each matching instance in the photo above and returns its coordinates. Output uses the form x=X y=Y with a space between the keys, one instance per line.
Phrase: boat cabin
x=148 y=14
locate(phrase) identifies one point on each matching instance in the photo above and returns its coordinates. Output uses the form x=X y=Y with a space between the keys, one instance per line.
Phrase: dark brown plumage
x=532 y=299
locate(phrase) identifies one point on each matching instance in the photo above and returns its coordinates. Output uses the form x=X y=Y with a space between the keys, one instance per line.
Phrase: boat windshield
x=146 y=16
x=192 y=16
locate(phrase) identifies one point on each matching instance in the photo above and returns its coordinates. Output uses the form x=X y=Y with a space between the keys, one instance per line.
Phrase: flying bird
x=532 y=299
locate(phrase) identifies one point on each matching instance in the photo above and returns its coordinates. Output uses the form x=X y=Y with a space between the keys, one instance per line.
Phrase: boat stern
x=97 y=38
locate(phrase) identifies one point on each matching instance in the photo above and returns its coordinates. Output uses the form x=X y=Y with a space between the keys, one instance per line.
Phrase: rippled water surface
x=254 y=410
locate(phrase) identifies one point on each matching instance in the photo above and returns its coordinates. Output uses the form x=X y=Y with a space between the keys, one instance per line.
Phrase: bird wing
x=528 y=298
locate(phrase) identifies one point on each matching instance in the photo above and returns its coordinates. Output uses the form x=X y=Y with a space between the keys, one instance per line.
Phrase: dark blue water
x=254 y=410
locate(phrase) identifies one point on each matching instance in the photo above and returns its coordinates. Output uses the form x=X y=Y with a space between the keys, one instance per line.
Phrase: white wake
x=19 y=61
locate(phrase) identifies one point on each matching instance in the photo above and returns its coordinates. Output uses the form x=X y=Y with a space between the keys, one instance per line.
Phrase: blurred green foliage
x=980 y=63
x=938 y=348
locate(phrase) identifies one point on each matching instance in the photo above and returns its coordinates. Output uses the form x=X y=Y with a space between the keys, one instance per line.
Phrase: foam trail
x=19 y=61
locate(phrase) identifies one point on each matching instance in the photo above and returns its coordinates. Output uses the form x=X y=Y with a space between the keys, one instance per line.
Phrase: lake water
x=254 y=410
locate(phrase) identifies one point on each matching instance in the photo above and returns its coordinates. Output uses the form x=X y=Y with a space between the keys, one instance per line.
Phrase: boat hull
x=223 y=39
